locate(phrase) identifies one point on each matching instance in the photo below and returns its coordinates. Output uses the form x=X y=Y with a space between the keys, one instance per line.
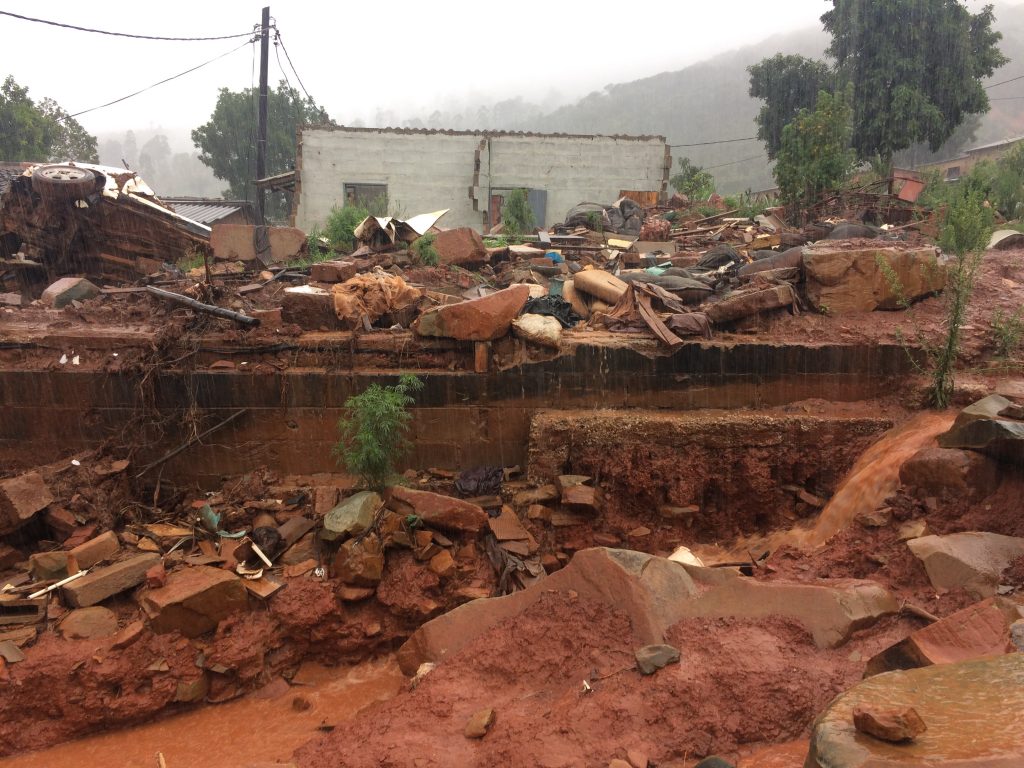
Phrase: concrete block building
x=470 y=172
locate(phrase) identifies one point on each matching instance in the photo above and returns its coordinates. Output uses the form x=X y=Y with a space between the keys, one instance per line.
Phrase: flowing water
x=256 y=730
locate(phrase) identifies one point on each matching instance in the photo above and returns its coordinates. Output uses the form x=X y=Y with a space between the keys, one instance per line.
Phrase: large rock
x=21 y=497
x=982 y=427
x=950 y=472
x=982 y=629
x=655 y=593
x=842 y=280
x=743 y=305
x=972 y=561
x=353 y=515
x=194 y=600
x=437 y=511
x=483 y=319
x=96 y=550
x=360 y=562
x=971 y=710
x=101 y=583
x=309 y=307
x=237 y=242
x=89 y=623
x=460 y=246
x=791 y=257
x=68 y=289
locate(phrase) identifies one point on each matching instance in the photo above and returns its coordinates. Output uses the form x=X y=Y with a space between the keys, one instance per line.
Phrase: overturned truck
x=91 y=220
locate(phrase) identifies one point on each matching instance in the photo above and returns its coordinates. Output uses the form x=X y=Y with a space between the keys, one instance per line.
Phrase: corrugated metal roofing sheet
x=204 y=212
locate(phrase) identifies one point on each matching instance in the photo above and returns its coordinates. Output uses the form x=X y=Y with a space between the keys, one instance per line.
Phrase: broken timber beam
x=209 y=309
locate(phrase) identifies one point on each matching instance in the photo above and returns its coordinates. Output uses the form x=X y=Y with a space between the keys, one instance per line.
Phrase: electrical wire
x=708 y=143
x=165 y=80
x=1004 y=82
x=278 y=38
x=119 y=34
x=734 y=162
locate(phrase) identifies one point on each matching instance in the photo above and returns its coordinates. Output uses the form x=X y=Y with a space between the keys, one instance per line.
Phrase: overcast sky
x=356 y=57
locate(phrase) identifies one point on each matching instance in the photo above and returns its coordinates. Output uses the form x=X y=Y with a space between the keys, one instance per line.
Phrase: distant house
x=963 y=163
x=210 y=211
x=469 y=172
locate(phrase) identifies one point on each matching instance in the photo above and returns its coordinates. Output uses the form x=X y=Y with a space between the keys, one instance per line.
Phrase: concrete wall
x=426 y=171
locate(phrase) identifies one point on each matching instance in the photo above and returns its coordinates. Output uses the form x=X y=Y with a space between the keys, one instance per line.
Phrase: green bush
x=372 y=432
x=693 y=181
x=1007 y=330
x=423 y=251
x=516 y=214
x=341 y=224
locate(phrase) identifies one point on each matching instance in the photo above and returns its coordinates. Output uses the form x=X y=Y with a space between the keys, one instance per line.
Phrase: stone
x=194 y=601
x=737 y=306
x=128 y=635
x=325 y=498
x=308 y=307
x=61 y=522
x=483 y=319
x=542 y=330
x=96 y=550
x=1017 y=634
x=602 y=539
x=360 y=562
x=539 y=512
x=21 y=498
x=637 y=758
x=194 y=689
x=982 y=629
x=355 y=594
x=156 y=576
x=270 y=319
x=570 y=481
x=437 y=511
x=332 y=271
x=10 y=300
x=978 y=427
x=462 y=246
x=651 y=658
x=89 y=623
x=68 y=289
x=875 y=518
x=443 y=564
x=237 y=242
x=950 y=472
x=351 y=517
x=536 y=495
x=684 y=514
x=842 y=280
x=582 y=498
x=893 y=725
x=972 y=710
x=912 y=529
x=479 y=724
x=9 y=556
x=973 y=561
x=655 y=593
x=99 y=584
x=52 y=566
x=506 y=526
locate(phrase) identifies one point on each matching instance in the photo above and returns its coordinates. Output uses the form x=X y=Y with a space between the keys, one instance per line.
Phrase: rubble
x=193 y=601
x=67 y=290
x=101 y=583
x=483 y=319
x=973 y=561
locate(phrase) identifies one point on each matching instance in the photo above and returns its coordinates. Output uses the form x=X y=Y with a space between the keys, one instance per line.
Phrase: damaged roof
x=209 y=211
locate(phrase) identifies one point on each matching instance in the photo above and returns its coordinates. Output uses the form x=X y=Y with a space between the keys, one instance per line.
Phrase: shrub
x=1007 y=330
x=423 y=251
x=341 y=224
x=693 y=181
x=516 y=213
x=372 y=432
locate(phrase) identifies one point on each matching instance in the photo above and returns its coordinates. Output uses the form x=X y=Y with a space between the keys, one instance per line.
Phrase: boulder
x=950 y=472
x=982 y=629
x=21 y=497
x=437 y=511
x=483 y=319
x=889 y=724
x=740 y=305
x=360 y=562
x=332 y=271
x=543 y=330
x=352 y=516
x=980 y=427
x=972 y=561
x=843 y=280
x=972 y=711
x=655 y=593
x=68 y=289
x=237 y=242
x=462 y=246
x=194 y=600
x=308 y=307
x=651 y=658
x=788 y=259
x=101 y=583
x=89 y=623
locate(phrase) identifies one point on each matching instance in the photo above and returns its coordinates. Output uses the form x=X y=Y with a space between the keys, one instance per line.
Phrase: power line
x=734 y=162
x=165 y=80
x=277 y=35
x=120 y=34
x=1007 y=98
x=1004 y=82
x=707 y=143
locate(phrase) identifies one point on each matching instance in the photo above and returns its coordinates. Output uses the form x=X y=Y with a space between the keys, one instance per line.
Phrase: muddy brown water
x=260 y=729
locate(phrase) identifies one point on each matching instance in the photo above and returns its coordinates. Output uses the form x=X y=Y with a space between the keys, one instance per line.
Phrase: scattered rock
x=21 y=497
x=973 y=561
x=194 y=600
x=893 y=725
x=483 y=319
x=96 y=550
x=583 y=498
x=506 y=526
x=355 y=594
x=461 y=246
x=478 y=725
x=637 y=758
x=651 y=658
x=536 y=496
x=52 y=566
x=128 y=635
x=89 y=623
x=912 y=529
x=437 y=511
x=332 y=271
x=308 y=307
x=950 y=472
x=66 y=290
x=360 y=562
x=740 y=305
x=979 y=427
x=352 y=516
x=876 y=518
x=714 y=761
x=443 y=564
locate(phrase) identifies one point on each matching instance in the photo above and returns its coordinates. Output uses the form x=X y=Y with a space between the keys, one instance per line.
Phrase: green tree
x=373 y=430
x=693 y=181
x=815 y=154
x=516 y=213
x=43 y=131
x=915 y=67
x=786 y=84
x=227 y=142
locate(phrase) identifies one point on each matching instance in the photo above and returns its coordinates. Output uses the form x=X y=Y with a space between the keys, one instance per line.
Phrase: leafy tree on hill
x=693 y=181
x=786 y=84
x=40 y=131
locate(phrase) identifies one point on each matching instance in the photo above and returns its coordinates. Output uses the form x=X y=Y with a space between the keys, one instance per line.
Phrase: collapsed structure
x=669 y=492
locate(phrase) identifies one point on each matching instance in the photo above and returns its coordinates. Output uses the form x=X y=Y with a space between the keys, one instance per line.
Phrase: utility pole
x=261 y=129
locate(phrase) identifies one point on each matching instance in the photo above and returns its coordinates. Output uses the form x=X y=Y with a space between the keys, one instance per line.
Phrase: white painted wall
x=428 y=171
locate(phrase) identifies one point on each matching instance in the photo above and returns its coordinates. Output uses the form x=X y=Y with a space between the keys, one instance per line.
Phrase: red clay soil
x=739 y=682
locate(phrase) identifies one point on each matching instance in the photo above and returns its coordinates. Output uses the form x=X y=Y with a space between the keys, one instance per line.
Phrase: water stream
x=260 y=729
